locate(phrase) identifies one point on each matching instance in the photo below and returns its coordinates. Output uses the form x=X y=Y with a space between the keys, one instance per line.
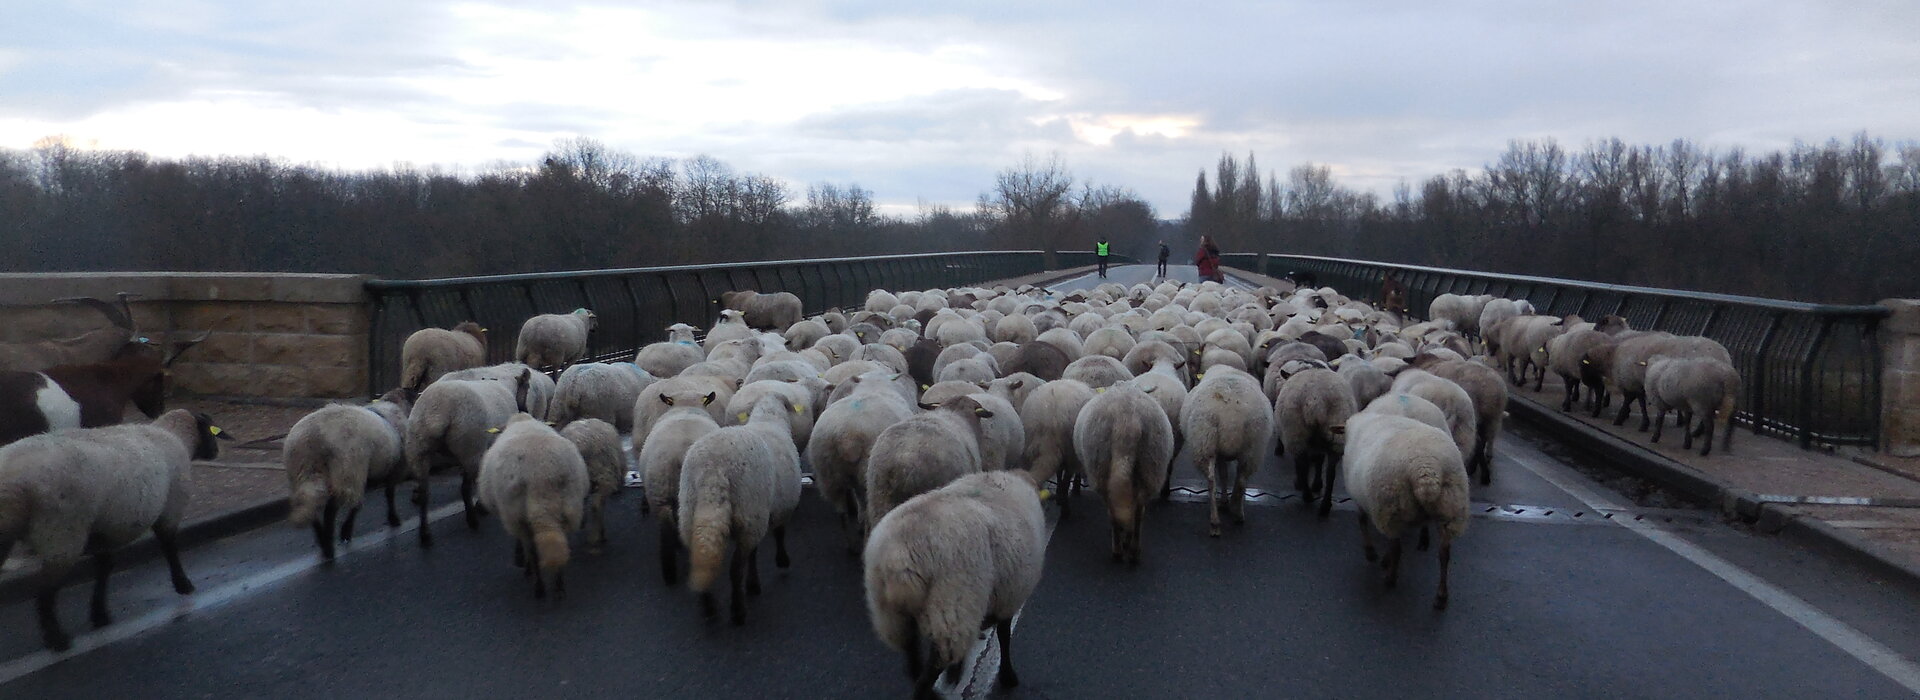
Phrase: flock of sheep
x=932 y=421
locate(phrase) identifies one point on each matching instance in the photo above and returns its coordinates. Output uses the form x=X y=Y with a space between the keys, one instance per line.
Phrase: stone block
x=271 y=317
x=218 y=316
x=1905 y=318
x=214 y=379
x=1900 y=388
x=1900 y=351
x=1900 y=431
x=338 y=319
x=213 y=287
x=337 y=382
x=320 y=289
x=223 y=348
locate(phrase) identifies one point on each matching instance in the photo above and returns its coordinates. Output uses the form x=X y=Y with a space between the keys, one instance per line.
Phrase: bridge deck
x=1544 y=604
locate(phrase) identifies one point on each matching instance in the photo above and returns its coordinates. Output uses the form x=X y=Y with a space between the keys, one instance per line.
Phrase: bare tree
x=1034 y=200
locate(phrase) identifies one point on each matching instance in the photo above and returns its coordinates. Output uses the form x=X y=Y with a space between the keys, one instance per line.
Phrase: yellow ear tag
x=797 y=408
x=491 y=431
x=213 y=430
x=1100 y=390
x=1046 y=494
x=924 y=387
x=742 y=417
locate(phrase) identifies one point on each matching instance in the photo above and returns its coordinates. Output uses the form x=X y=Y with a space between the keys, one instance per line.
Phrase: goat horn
x=114 y=314
x=182 y=347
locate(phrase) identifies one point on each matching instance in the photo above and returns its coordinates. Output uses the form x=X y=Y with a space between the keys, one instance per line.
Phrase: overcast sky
x=920 y=104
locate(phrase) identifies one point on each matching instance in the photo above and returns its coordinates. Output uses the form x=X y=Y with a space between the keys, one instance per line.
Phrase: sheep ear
x=928 y=406
x=665 y=399
x=1017 y=383
x=709 y=399
x=1148 y=390
x=983 y=413
x=1338 y=429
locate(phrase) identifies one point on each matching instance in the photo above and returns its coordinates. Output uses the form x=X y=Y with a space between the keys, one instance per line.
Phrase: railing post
x=1805 y=408
x=1757 y=376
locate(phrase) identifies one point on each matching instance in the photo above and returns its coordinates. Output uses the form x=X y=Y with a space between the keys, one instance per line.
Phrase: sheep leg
x=1706 y=430
x=1133 y=536
x=165 y=535
x=346 y=526
x=1644 y=416
x=1004 y=630
x=1063 y=487
x=324 y=538
x=6 y=548
x=780 y=558
x=1573 y=393
x=102 y=568
x=736 y=578
x=539 y=579
x=466 y=498
x=1207 y=467
x=1366 y=538
x=1660 y=424
x=1392 y=561
x=1326 y=485
x=912 y=650
x=923 y=681
x=520 y=558
x=598 y=513
x=1166 y=487
x=753 y=571
x=1239 y=502
x=1540 y=377
x=1446 y=558
x=1301 y=481
x=393 y=513
x=420 y=499
x=1422 y=546
x=46 y=605
x=669 y=553
x=850 y=521
x=1626 y=406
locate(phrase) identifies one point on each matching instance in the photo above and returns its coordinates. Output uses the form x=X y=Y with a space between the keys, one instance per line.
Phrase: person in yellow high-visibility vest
x=1100 y=252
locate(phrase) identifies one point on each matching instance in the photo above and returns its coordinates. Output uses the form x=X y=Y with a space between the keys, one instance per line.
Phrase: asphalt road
x=1544 y=604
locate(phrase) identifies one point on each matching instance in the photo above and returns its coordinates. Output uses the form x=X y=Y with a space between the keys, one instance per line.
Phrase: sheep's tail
x=1437 y=498
x=895 y=598
x=1125 y=480
x=308 y=493
x=710 y=529
x=550 y=546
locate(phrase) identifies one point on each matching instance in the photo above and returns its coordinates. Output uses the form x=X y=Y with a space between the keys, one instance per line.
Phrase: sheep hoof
x=1009 y=679
x=781 y=560
x=1213 y=530
x=182 y=586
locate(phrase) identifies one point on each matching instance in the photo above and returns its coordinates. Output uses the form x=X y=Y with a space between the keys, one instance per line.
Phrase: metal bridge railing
x=635 y=305
x=1811 y=371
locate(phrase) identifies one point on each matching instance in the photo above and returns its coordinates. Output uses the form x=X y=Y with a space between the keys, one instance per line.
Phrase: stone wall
x=1900 y=378
x=273 y=335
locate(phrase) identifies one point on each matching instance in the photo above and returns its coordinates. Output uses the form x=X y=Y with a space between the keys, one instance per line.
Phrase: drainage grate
x=1496 y=511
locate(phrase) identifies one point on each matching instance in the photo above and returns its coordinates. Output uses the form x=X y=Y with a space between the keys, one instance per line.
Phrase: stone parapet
x=272 y=335
x=1900 y=378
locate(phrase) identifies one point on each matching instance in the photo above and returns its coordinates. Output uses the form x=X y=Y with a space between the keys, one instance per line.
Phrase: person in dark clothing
x=1100 y=251
x=1164 y=252
x=1208 y=259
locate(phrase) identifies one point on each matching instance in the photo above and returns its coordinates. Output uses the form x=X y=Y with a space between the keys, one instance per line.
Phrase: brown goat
x=92 y=346
x=87 y=395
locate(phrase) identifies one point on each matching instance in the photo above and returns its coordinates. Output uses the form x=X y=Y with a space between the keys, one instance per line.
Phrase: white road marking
x=1852 y=641
x=201 y=601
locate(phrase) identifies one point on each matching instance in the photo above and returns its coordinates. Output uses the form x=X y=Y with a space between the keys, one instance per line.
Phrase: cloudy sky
x=925 y=104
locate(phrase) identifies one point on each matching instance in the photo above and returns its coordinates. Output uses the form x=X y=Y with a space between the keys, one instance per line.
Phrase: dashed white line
x=1852 y=641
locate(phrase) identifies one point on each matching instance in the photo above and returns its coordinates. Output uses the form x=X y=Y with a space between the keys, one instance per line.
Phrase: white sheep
x=1124 y=439
x=738 y=484
x=1488 y=390
x=838 y=347
x=923 y=453
x=797 y=399
x=776 y=310
x=843 y=439
x=668 y=358
x=332 y=455
x=554 y=340
x=540 y=387
x=1462 y=415
x=1311 y=415
x=684 y=421
x=732 y=325
x=948 y=563
x=1048 y=419
x=453 y=423
x=432 y=352
x=1169 y=389
x=976 y=370
x=599 y=445
x=536 y=481
x=1703 y=387
x=1402 y=474
x=1097 y=371
x=598 y=390
x=1365 y=378
x=879 y=301
x=1067 y=341
x=1226 y=418
x=66 y=492
x=1015 y=328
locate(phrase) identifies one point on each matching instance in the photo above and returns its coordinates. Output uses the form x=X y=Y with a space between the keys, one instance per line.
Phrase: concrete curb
x=1772 y=518
x=17 y=587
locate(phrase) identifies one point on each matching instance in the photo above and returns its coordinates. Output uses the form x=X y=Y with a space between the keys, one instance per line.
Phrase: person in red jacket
x=1208 y=259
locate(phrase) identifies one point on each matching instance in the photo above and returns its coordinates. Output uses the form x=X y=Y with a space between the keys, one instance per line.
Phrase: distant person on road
x=1164 y=252
x=1100 y=251
x=1208 y=259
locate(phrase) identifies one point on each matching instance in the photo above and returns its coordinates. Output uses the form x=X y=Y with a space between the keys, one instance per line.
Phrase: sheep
x=1015 y=388
x=332 y=455
x=1409 y=406
x=879 y=301
x=797 y=399
x=1015 y=328
x=923 y=453
x=842 y=440
x=449 y=424
x=97 y=489
x=1632 y=356
x=86 y=348
x=1169 y=389
x=954 y=354
x=1488 y=391
x=432 y=352
x=1511 y=338
x=1567 y=355
x=1221 y=357
x=778 y=311
x=598 y=390
x=1402 y=473
x=737 y=484
x=973 y=369
x=1453 y=400
x=1495 y=311
x=956 y=331
x=598 y=443
x=1366 y=379
x=648 y=408
x=1463 y=311
x=1097 y=371
x=659 y=459
x=1311 y=416
x=1233 y=341
x=899 y=338
x=1124 y=439
x=883 y=354
x=730 y=326
x=940 y=392
x=1044 y=360
x=672 y=356
x=1698 y=386
x=536 y=481
x=86 y=396
x=1066 y=340
x=1226 y=418
x=838 y=347
x=1047 y=419
x=554 y=340
x=1147 y=353
x=1004 y=438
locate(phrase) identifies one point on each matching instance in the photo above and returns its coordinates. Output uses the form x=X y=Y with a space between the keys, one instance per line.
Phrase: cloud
x=926 y=103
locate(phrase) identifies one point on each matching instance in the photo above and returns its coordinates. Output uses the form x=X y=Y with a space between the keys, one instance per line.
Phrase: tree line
x=582 y=206
x=1833 y=222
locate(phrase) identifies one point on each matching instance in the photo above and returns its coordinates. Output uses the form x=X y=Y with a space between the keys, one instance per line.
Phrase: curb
x=15 y=588
x=1772 y=518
